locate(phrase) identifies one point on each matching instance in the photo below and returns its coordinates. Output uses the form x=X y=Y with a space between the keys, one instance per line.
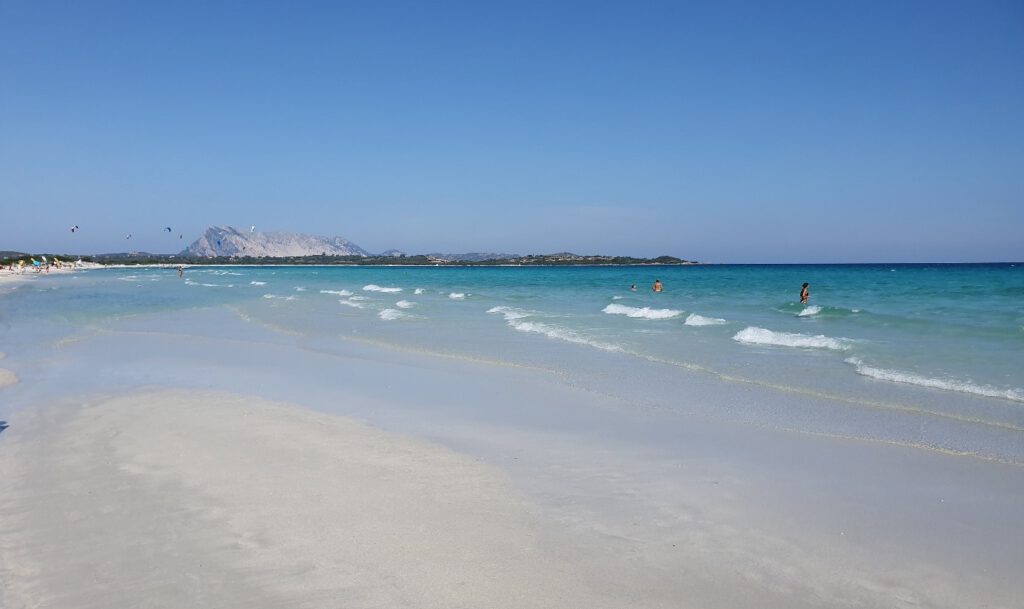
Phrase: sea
x=922 y=355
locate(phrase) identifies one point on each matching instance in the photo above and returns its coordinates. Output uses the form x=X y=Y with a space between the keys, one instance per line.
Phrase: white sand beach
x=191 y=499
x=197 y=459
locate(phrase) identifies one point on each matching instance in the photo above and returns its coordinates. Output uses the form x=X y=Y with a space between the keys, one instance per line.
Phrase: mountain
x=229 y=241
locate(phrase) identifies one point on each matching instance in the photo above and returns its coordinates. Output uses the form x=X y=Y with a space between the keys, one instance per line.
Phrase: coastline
x=204 y=499
x=129 y=440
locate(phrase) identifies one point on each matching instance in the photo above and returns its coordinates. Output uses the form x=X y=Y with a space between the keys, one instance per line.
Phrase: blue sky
x=726 y=132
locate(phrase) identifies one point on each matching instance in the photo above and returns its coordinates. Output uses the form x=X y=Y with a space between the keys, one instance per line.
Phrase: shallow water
x=922 y=355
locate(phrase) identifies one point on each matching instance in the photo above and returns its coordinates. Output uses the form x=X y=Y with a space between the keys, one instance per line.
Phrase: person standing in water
x=805 y=293
x=657 y=285
x=181 y=272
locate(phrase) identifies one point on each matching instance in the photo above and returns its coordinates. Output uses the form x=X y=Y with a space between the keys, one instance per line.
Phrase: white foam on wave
x=337 y=292
x=699 y=320
x=509 y=313
x=457 y=296
x=641 y=313
x=909 y=378
x=348 y=302
x=809 y=310
x=257 y=283
x=391 y=314
x=376 y=288
x=418 y=291
x=617 y=297
x=515 y=319
x=300 y=289
x=760 y=336
x=276 y=297
x=405 y=304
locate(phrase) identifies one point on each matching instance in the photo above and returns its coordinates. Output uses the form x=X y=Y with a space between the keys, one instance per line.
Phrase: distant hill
x=227 y=241
x=473 y=257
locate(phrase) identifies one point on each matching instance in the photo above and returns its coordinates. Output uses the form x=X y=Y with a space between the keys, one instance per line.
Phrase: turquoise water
x=926 y=355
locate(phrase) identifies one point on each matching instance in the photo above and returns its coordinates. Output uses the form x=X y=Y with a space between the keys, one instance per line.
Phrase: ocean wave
x=257 y=283
x=457 y=296
x=300 y=289
x=617 y=297
x=809 y=310
x=337 y=292
x=515 y=319
x=405 y=304
x=896 y=376
x=509 y=313
x=376 y=288
x=391 y=314
x=760 y=336
x=699 y=320
x=276 y=297
x=349 y=302
x=418 y=291
x=642 y=313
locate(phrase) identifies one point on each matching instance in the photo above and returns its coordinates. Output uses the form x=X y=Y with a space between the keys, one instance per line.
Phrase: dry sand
x=184 y=499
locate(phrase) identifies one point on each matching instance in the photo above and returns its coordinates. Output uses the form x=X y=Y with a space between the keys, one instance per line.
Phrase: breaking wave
x=642 y=313
x=337 y=292
x=457 y=296
x=808 y=311
x=896 y=376
x=405 y=304
x=699 y=320
x=391 y=314
x=515 y=319
x=350 y=302
x=376 y=288
x=760 y=336
x=257 y=283
x=276 y=297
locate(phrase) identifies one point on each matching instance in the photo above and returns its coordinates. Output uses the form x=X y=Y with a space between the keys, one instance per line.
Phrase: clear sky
x=820 y=131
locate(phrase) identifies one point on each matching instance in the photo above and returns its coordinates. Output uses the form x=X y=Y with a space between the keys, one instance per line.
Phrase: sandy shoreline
x=195 y=499
x=137 y=467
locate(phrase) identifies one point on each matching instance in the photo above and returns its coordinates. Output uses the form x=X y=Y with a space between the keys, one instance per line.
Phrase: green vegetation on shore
x=561 y=259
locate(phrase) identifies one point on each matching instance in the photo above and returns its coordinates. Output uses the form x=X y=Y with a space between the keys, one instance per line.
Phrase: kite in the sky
x=252 y=228
x=128 y=236
x=167 y=228
x=74 y=228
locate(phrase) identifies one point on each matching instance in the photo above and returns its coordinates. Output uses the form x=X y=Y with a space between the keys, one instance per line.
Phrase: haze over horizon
x=862 y=132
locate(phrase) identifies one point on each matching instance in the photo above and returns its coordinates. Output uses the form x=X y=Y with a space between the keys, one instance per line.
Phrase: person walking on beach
x=805 y=293
x=657 y=285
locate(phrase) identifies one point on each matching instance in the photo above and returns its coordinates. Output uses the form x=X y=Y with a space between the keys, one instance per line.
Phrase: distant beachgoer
x=657 y=285
x=805 y=293
x=181 y=272
x=633 y=287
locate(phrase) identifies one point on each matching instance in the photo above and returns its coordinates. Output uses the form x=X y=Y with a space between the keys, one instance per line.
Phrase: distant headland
x=230 y=245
